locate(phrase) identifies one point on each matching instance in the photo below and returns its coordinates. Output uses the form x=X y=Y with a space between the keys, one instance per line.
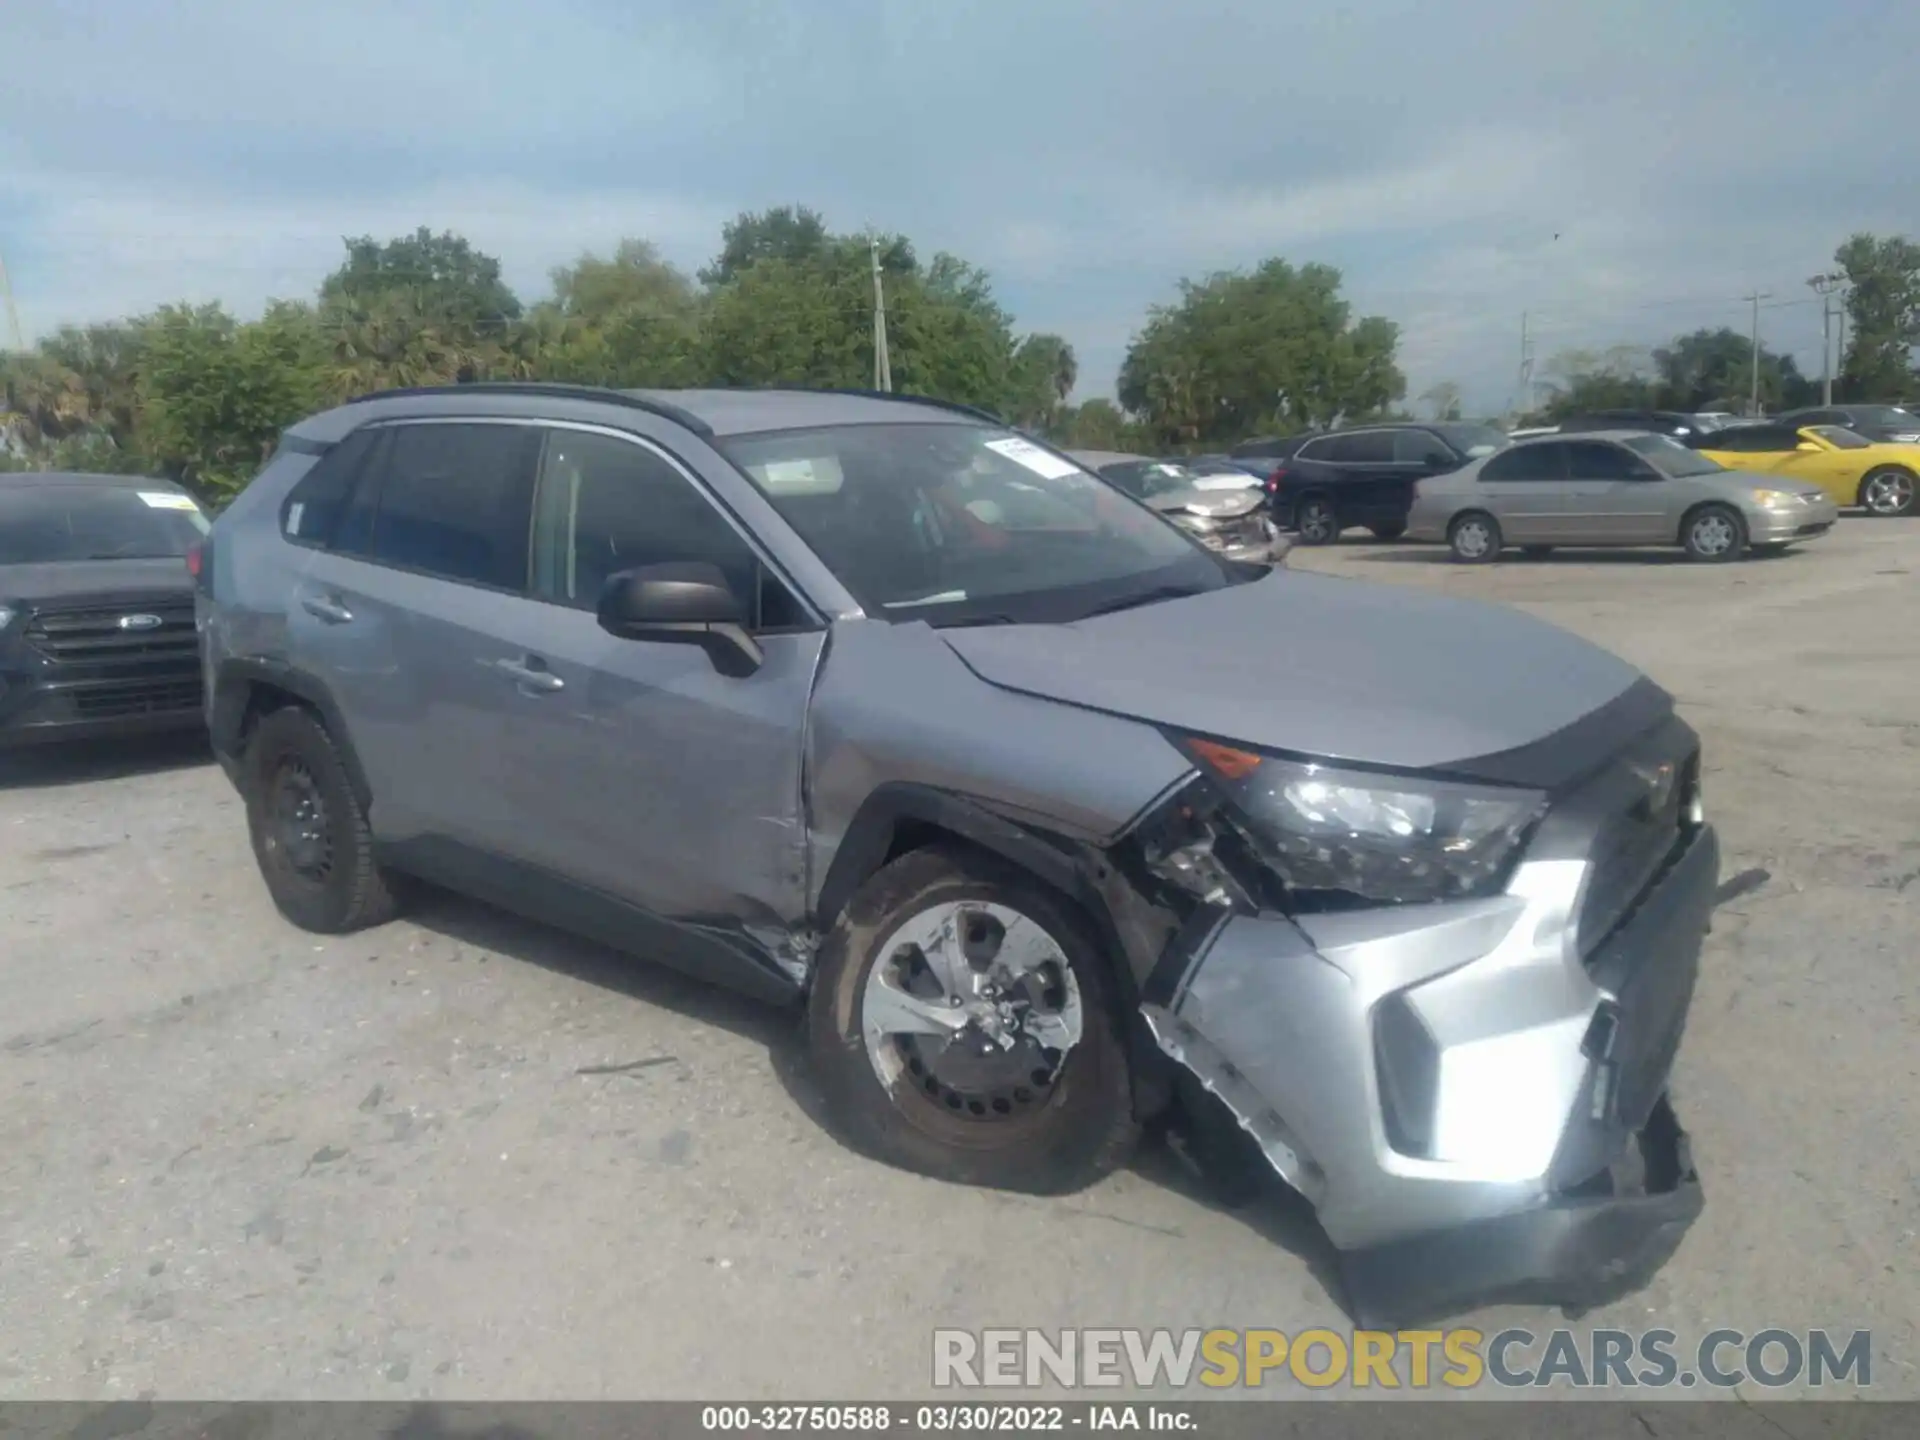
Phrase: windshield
x=1670 y=457
x=1474 y=441
x=1163 y=477
x=1886 y=417
x=43 y=524
x=924 y=521
x=1840 y=437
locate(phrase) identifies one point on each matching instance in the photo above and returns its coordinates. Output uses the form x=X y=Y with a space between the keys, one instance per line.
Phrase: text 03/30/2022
x=1455 y=1359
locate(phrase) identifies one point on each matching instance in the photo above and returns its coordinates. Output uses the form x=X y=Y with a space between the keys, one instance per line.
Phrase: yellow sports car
x=1880 y=479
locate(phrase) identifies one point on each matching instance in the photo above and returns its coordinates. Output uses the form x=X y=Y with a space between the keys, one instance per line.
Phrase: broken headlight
x=1331 y=834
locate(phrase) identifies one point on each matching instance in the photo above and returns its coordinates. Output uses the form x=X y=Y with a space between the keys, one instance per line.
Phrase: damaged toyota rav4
x=869 y=704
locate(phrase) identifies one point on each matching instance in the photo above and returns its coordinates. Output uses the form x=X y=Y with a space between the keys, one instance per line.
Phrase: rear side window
x=453 y=500
x=1374 y=447
x=1598 y=460
x=1753 y=440
x=314 y=506
x=1523 y=463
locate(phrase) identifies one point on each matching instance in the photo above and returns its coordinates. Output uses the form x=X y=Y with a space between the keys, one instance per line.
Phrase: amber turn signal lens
x=1232 y=763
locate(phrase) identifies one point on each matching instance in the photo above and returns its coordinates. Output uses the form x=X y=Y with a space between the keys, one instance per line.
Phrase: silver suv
x=869 y=703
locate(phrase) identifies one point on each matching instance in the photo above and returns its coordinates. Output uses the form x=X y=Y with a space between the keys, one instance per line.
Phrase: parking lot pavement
x=462 y=1156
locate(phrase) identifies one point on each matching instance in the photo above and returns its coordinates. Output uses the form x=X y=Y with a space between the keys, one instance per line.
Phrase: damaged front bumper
x=1477 y=1110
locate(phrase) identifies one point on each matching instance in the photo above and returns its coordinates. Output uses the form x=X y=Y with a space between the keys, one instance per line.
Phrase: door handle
x=529 y=674
x=325 y=607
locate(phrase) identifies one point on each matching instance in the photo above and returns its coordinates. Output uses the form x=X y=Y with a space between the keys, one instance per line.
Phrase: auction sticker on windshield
x=161 y=500
x=1025 y=452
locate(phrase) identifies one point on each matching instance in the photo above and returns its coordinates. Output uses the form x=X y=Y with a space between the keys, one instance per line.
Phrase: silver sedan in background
x=1613 y=488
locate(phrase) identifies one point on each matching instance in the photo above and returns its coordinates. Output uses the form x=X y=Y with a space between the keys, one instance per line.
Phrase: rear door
x=405 y=615
x=1375 y=488
x=1521 y=488
x=1611 y=497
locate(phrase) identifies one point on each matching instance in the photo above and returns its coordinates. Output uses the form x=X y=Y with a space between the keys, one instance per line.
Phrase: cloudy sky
x=1622 y=169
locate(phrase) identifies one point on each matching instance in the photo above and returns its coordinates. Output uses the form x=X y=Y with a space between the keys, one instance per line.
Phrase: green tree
x=217 y=394
x=799 y=236
x=630 y=320
x=1713 y=370
x=1045 y=371
x=806 y=318
x=1244 y=352
x=1620 y=378
x=1099 y=424
x=1883 y=316
x=445 y=276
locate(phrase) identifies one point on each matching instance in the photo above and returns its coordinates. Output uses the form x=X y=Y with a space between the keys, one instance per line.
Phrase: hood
x=107 y=579
x=1215 y=504
x=1745 y=482
x=1317 y=665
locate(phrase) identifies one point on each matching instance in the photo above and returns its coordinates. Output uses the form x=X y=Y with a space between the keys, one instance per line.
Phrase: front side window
x=1418 y=447
x=53 y=524
x=605 y=505
x=934 y=520
x=452 y=500
x=1671 y=458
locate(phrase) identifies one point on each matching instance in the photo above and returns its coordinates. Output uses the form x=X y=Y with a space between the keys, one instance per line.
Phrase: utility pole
x=1840 y=331
x=882 y=365
x=1753 y=403
x=1526 y=366
x=14 y=342
x=1824 y=286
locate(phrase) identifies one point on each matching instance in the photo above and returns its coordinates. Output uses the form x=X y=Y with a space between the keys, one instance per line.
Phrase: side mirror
x=688 y=603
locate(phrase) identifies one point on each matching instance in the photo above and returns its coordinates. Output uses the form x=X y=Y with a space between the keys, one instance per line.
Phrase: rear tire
x=310 y=834
x=1317 y=521
x=1714 y=534
x=1475 y=538
x=1889 y=493
x=943 y=1107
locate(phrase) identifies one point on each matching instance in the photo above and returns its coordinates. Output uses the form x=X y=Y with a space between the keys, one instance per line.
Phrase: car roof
x=85 y=480
x=1578 y=435
x=708 y=412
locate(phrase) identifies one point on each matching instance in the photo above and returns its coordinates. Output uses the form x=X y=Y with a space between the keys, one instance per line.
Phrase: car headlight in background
x=1326 y=832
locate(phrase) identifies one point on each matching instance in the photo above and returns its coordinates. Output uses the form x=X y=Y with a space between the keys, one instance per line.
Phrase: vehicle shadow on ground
x=1275 y=1213
x=81 y=762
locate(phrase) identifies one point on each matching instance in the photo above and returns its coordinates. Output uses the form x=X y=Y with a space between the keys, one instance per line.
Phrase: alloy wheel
x=1888 y=492
x=1472 y=539
x=972 y=1009
x=1713 y=534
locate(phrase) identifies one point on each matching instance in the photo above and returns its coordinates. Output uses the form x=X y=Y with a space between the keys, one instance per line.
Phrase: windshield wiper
x=1145 y=597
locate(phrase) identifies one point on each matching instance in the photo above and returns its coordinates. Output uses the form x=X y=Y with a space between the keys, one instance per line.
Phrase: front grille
x=1632 y=848
x=115 y=702
x=103 y=633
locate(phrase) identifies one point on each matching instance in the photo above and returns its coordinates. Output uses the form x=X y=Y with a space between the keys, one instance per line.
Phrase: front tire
x=1316 y=520
x=1889 y=492
x=1475 y=538
x=310 y=835
x=1714 y=534
x=965 y=1024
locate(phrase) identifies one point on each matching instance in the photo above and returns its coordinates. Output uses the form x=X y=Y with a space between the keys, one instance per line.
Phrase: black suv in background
x=96 y=607
x=1883 y=424
x=1682 y=425
x=1366 y=476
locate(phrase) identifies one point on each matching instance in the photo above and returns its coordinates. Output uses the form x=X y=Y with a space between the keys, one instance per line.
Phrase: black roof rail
x=558 y=390
x=937 y=403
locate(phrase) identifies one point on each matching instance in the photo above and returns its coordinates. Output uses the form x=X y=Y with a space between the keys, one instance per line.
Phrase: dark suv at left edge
x=96 y=607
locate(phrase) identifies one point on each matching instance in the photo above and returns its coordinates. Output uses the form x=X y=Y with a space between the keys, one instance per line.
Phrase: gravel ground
x=237 y=1161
